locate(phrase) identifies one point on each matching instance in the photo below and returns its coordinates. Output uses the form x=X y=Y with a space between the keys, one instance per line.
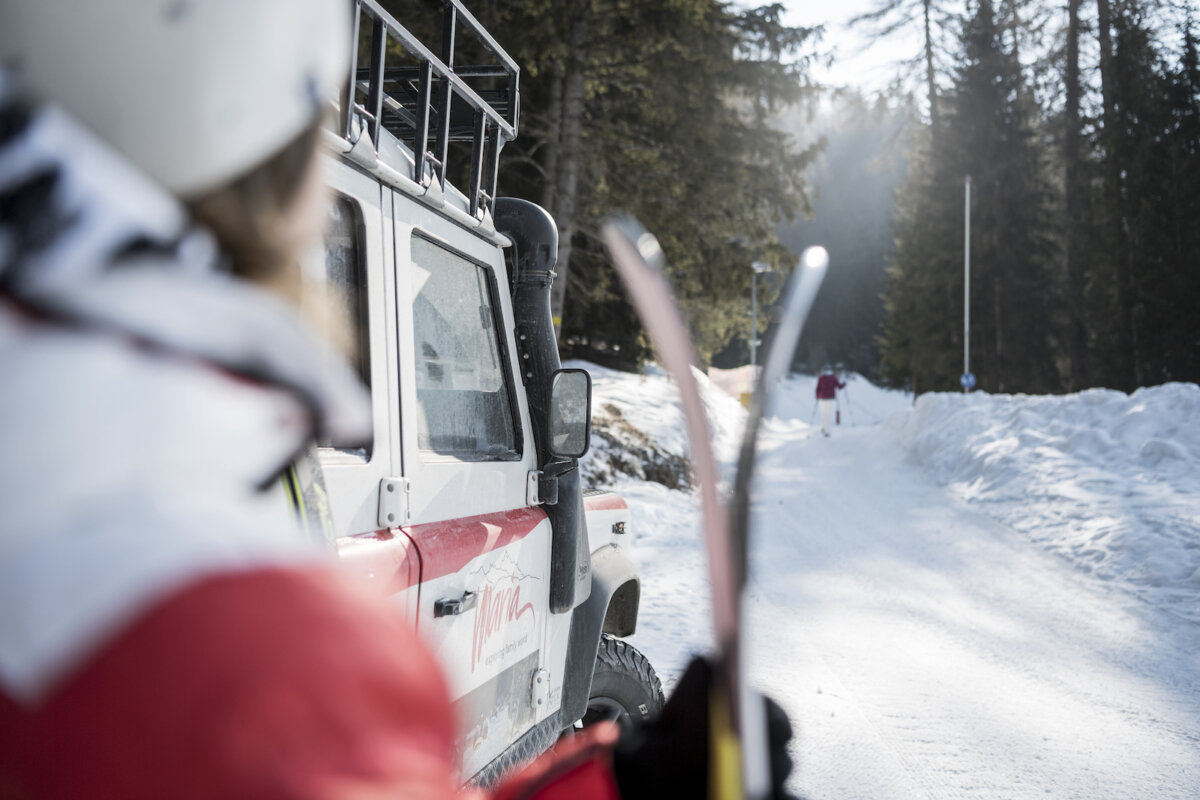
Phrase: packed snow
x=1110 y=481
x=973 y=596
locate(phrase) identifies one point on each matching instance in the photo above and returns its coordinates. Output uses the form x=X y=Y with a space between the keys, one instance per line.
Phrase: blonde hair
x=246 y=214
x=250 y=218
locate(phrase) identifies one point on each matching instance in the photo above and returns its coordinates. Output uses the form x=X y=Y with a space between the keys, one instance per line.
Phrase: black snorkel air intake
x=534 y=239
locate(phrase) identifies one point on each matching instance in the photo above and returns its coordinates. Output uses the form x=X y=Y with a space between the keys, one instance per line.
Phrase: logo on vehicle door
x=499 y=606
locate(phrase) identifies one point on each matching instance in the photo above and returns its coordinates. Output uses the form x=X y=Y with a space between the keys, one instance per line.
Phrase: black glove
x=668 y=756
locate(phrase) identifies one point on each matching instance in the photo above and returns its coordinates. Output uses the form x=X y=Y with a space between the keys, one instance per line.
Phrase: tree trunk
x=1106 y=56
x=553 y=135
x=1001 y=364
x=1013 y=23
x=929 y=73
x=570 y=154
x=1072 y=148
x=1125 y=357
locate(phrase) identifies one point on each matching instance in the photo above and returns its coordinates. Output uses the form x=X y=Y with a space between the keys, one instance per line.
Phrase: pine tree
x=988 y=133
x=1074 y=196
x=663 y=110
x=892 y=16
x=921 y=345
x=1143 y=290
x=1153 y=144
x=1181 y=342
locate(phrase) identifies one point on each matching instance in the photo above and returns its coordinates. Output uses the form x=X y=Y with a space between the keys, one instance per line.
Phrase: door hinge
x=541 y=689
x=393 y=502
x=541 y=489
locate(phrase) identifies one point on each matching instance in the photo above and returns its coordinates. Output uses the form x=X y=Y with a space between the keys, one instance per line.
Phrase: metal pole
x=754 y=318
x=967 y=283
x=755 y=269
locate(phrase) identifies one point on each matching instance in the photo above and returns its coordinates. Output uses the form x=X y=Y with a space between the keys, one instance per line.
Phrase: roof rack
x=432 y=103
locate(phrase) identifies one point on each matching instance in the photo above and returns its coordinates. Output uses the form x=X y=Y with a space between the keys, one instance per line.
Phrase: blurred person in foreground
x=164 y=631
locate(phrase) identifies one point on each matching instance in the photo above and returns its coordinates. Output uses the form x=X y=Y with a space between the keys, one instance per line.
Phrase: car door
x=352 y=277
x=484 y=551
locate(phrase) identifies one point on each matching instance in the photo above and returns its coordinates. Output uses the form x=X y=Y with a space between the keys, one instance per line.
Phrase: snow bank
x=638 y=440
x=638 y=427
x=1108 y=480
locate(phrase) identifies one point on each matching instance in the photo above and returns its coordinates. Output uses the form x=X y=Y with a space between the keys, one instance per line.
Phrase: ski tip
x=814 y=258
x=642 y=240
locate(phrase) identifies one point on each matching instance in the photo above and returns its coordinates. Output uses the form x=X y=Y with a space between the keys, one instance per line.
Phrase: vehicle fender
x=612 y=607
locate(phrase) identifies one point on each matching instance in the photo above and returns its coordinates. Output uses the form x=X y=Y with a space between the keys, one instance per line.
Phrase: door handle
x=453 y=606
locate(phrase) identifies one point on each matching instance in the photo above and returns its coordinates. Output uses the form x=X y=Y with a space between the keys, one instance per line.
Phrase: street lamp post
x=758 y=267
x=968 y=380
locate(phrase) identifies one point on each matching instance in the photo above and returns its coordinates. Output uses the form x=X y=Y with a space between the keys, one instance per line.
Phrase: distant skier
x=827 y=386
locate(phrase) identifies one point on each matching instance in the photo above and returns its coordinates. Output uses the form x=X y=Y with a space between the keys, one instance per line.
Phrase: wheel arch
x=621 y=617
x=612 y=607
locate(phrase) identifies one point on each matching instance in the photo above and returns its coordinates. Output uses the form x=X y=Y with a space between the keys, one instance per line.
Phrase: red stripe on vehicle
x=609 y=501
x=386 y=562
x=446 y=547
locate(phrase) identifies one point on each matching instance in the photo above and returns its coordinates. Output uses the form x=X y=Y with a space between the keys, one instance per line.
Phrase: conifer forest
x=1077 y=122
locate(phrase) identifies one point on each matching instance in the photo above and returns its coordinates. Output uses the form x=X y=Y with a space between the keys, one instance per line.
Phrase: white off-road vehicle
x=465 y=511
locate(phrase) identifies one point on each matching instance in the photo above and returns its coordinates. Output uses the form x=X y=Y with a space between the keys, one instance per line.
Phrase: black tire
x=625 y=688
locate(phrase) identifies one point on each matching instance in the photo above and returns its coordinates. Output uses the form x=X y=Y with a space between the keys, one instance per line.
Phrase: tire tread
x=620 y=656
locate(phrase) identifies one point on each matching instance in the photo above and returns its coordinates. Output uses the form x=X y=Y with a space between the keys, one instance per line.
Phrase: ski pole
x=849 y=404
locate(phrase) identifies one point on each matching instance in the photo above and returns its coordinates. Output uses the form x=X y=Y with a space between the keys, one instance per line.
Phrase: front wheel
x=625 y=688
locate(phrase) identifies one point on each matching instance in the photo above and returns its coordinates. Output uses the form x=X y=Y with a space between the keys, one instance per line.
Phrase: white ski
x=740 y=748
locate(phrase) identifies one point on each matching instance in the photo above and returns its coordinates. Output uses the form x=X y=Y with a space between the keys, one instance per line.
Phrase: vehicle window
x=334 y=293
x=463 y=395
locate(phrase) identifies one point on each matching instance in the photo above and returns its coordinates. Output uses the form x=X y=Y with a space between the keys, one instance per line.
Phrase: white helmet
x=195 y=92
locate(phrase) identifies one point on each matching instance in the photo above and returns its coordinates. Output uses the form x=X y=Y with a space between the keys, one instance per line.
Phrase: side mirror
x=570 y=413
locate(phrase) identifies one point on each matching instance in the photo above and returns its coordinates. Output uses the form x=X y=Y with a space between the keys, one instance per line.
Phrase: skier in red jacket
x=163 y=631
x=827 y=387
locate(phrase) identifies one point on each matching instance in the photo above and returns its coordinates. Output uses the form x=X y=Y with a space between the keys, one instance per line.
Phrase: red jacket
x=827 y=386
x=273 y=683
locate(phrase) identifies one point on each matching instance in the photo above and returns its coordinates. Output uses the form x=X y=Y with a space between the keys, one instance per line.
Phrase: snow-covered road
x=922 y=647
x=928 y=651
